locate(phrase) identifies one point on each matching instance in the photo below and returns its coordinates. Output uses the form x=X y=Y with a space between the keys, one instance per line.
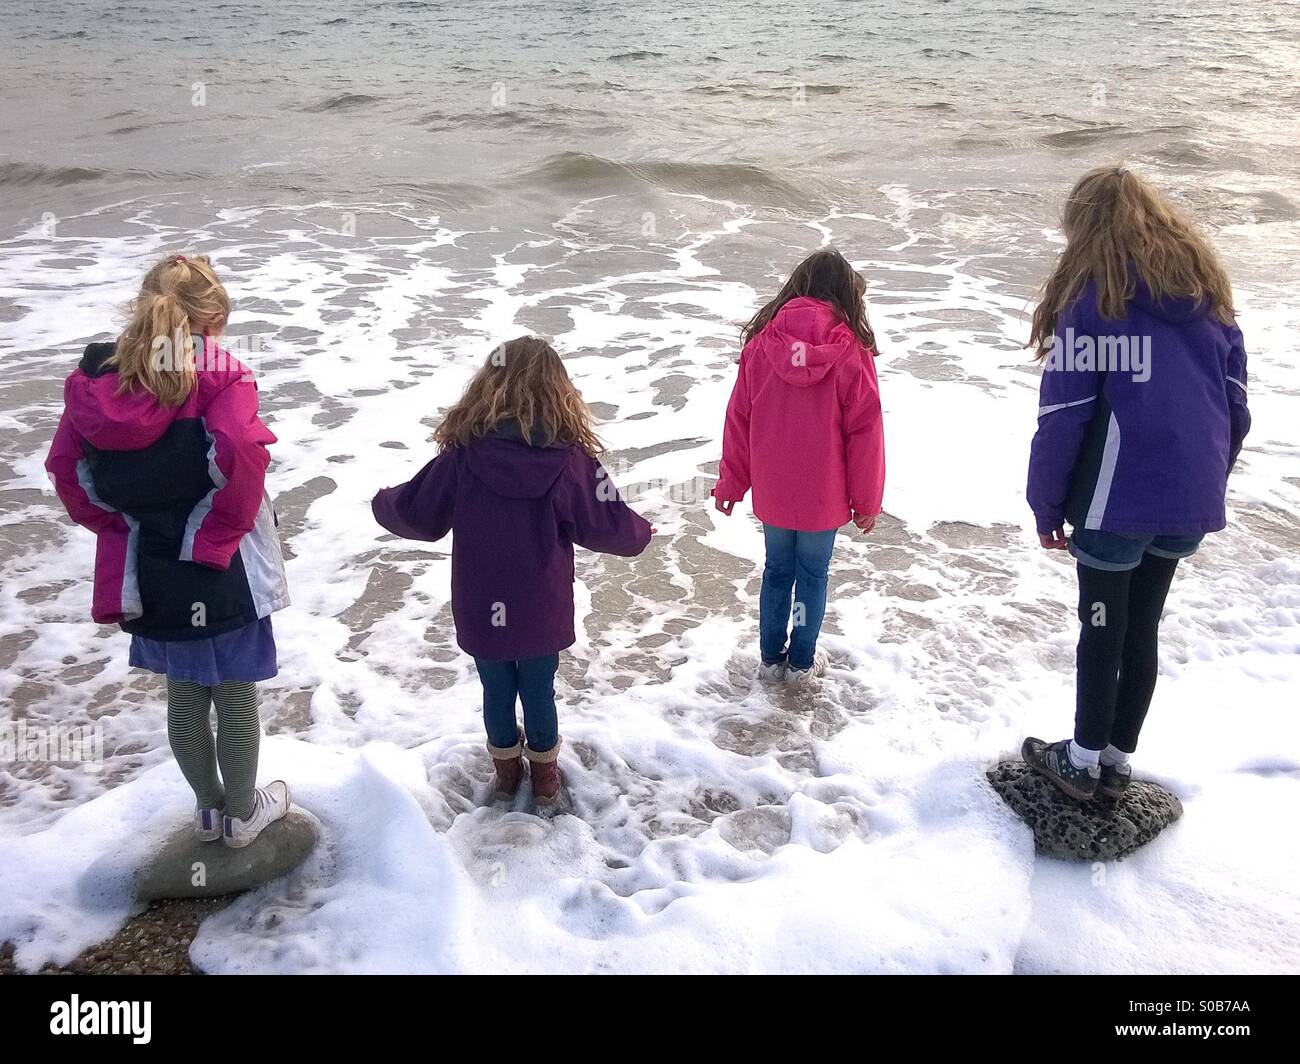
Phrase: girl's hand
x=1054 y=540
x=654 y=531
x=865 y=522
x=723 y=506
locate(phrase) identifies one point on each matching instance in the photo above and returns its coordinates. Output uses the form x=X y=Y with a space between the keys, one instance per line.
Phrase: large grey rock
x=186 y=868
x=1098 y=830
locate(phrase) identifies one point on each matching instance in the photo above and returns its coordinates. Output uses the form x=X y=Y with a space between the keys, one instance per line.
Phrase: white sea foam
x=719 y=825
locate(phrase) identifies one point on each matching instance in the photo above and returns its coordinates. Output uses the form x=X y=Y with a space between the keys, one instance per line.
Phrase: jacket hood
x=513 y=468
x=105 y=419
x=1176 y=309
x=805 y=340
x=134 y=420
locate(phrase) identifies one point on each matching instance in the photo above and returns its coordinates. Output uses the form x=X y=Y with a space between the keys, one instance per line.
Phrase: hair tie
x=1120 y=171
x=181 y=258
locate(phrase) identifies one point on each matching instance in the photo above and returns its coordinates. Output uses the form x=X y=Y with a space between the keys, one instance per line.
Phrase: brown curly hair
x=523 y=380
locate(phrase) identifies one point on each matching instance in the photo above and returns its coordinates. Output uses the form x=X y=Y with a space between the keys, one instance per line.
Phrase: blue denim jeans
x=532 y=682
x=796 y=562
x=1117 y=554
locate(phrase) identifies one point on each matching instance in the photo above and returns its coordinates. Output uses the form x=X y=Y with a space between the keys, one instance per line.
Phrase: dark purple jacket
x=515 y=511
x=1138 y=438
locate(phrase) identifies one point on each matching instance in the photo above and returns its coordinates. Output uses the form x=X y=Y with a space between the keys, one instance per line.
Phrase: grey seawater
x=511 y=113
x=576 y=159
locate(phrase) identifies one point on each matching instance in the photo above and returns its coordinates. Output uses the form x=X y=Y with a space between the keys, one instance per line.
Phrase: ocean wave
x=347 y=101
x=552 y=120
x=1073 y=138
x=583 y=172
x=27 y=175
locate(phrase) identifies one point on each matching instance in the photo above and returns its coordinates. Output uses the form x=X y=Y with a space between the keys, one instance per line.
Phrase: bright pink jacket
x=176 y=497
x=803 y=426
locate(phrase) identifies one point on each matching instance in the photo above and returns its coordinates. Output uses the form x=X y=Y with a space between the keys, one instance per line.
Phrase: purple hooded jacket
x=1140 y=420
x=515 y=510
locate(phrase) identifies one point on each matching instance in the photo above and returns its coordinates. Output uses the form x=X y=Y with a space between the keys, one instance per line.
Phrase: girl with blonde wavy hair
x=180 y=299
x=1142 y=414
x=160 y=452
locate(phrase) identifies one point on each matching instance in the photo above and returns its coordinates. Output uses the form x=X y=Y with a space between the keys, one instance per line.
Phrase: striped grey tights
x=189 y=729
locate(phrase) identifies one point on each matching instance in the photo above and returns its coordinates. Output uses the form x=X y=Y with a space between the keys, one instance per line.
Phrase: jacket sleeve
x=733 y=472
x=595 y=515
x=72 y=483
x=75 y=491
x=237 y=463
x=864 y=440
x=423 y=507
x=1067 y=400
x=1238 y=410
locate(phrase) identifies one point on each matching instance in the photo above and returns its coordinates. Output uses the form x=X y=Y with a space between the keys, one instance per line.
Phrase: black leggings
x=1117 y=656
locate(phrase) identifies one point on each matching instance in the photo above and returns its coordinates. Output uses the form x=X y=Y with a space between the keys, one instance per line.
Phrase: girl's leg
x=239 y=737
x=537 y=693
x=189 y=730
x=774 y=598
x=500 y=682
x=812 y=552
x=1139 y=664
x=1103 y=614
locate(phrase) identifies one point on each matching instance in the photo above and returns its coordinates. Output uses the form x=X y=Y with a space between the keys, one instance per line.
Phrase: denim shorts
x=1116 y=553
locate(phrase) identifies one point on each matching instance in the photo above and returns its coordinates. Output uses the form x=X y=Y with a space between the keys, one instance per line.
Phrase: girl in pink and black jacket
x=804 y=431
x=160 y=453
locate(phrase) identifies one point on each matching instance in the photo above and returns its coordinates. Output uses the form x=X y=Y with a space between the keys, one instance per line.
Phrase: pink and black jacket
x=187 y=543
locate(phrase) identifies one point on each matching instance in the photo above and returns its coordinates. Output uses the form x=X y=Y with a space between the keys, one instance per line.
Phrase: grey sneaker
x=774 y=673
x=1052 y=760
x=809 y=676
x=270 y=803
x=1114 y=780
x=207 y=825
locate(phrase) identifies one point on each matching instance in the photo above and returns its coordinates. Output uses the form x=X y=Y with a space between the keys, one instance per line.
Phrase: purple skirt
x=245 y=655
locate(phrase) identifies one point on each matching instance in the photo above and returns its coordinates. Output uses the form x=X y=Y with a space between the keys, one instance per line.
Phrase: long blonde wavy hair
x=524 y=380
x=179 y=297
x=1112 y=218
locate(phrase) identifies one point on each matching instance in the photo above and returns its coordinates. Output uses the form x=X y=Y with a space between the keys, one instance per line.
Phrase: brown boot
x=545 y=771
x=509 y=764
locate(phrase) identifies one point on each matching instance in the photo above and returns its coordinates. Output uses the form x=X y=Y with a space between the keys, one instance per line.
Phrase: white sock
x=1081 y=756
x=1113 y=755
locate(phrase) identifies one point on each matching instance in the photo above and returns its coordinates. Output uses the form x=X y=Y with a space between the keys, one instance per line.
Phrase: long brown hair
x=523 y=380
x=826 y=275
x=156 y=349
x=1112 y=218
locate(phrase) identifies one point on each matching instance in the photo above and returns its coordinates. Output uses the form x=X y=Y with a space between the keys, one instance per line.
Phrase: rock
x=186 y=868
x=1097 y=830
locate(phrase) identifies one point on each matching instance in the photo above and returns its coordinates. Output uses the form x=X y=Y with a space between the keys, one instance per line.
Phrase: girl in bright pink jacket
x=804 y=431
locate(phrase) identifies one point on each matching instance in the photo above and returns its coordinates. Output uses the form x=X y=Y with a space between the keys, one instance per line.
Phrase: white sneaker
x=270 y=803
x=771 y=673
x=805 y=677
x=207 y=824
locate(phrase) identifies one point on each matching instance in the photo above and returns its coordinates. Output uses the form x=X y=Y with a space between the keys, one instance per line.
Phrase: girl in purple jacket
x=160 y=452
x=517 y=482
x=1141 y=417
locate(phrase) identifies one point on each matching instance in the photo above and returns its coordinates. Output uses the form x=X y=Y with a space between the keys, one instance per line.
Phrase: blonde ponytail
x=156 y=349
